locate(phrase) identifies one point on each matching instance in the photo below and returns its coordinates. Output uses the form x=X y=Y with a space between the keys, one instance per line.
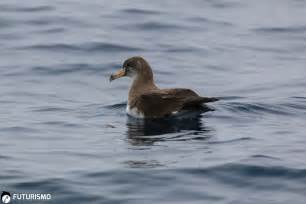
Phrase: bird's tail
x=208 y=99
x=198 y=101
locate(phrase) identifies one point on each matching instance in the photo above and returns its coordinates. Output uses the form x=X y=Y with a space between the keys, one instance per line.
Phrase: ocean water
x=63 y=126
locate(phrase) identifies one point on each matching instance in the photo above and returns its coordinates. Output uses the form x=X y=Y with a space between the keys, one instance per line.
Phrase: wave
x=281 y=108
x=19 y=129
x=272 y=30
x=208 y=21
x=194 y=183
x=138 y=11
x=67 y=69
x=116 y=106
x=249 y=171
x=86 y=47
x=51 y=109
x=64 y=69
x=153 y=26
x=42 y=8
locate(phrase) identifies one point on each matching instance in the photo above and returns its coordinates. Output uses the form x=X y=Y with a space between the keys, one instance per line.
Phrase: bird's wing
x=160 y=103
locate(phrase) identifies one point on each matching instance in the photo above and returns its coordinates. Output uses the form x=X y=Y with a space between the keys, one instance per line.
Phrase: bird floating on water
x=146 y=100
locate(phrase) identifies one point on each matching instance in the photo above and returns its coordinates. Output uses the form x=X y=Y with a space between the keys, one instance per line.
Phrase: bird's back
x=165 y=102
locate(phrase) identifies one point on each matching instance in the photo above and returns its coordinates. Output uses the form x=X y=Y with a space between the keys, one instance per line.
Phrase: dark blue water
x=63 y=126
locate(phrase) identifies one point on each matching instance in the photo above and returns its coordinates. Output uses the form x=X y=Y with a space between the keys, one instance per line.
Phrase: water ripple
x=258 y=108
x=116 y=106
x=155 y=26
x=138 y=11
x=200 y=19
x=86 y=47
x=260 y=156
x=251 y=171
x=241 y=139
x=19 y=129
x=51 y=109
x=34 y=9
x=281 y=30
x=67 y=69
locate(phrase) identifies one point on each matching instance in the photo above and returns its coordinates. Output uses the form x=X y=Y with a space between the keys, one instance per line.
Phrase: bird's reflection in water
x=149 y=131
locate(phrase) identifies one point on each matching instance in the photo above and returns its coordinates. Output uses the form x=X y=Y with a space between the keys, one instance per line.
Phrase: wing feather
x=160 y=103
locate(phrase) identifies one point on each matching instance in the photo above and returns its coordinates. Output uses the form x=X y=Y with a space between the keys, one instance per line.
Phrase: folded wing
x=160 y=103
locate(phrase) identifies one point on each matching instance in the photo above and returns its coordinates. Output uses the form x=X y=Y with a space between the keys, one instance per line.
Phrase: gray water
x=63 y=126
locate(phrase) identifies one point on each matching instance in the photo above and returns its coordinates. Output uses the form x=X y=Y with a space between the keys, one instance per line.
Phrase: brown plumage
x=147 y=100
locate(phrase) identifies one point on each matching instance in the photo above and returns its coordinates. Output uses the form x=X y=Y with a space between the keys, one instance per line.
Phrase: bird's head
x=134 y=67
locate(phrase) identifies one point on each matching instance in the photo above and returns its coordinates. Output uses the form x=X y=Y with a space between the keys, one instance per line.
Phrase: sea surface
x=63 y=126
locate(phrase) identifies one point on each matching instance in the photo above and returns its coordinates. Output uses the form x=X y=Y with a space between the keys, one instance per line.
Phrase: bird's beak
x=118 y=74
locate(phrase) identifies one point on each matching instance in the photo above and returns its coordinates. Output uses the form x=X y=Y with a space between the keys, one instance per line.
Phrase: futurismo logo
x=5 y=197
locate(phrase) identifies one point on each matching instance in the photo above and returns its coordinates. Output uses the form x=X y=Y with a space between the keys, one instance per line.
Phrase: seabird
x=146 y=100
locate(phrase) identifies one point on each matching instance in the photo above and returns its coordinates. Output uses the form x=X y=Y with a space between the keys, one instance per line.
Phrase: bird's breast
x=134 y=112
